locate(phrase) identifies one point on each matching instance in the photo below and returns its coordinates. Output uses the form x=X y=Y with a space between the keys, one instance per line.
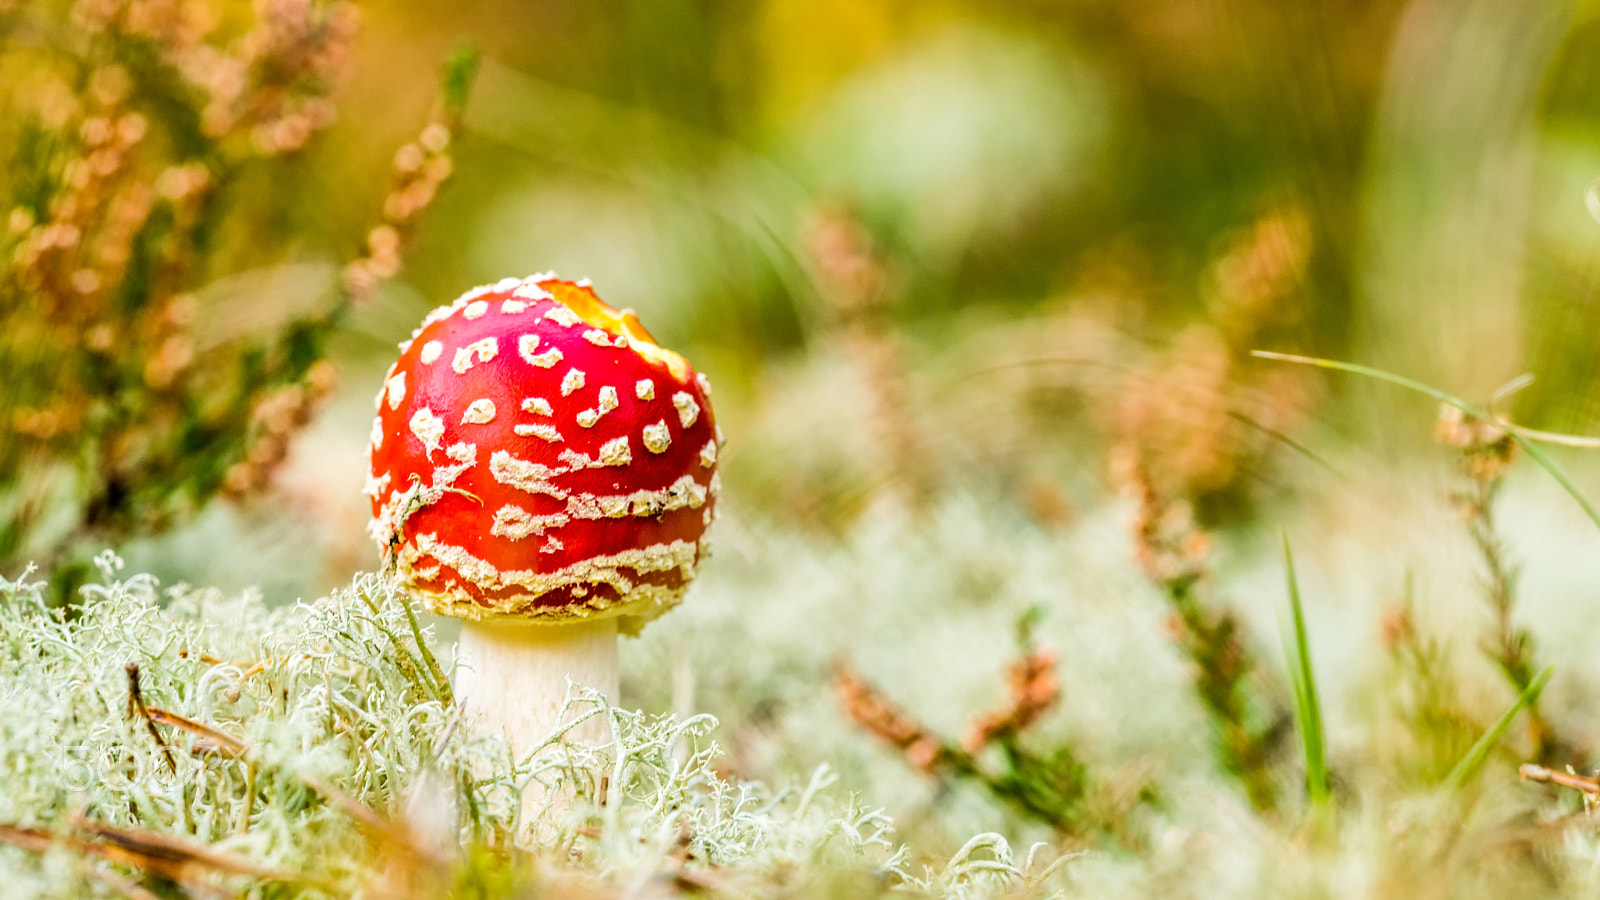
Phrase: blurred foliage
x=1028 y=229
x=160 y=342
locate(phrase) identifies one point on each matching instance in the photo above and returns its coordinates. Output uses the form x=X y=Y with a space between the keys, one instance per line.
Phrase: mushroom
x=543 y=470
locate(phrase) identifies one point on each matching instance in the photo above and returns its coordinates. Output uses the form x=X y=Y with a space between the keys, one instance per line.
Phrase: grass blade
x=1534 y=452
x=440 y=680
x=1475 y=758
x=1307 y=706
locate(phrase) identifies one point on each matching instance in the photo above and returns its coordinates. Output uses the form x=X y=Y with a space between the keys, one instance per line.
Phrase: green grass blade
x=1537 y=454
x=1307 y=706
x=1475 y=758
x=1534 y=452
x=422 y=676
x=440 y=680
x=456 y=75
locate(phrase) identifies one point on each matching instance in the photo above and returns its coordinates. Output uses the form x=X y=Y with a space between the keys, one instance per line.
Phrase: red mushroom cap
x=536 y=455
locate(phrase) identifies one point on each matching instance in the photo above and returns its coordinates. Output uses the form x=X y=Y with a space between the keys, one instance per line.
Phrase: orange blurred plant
x=1174 y=553
x=155 y=350
x=1486 y=452
x=1053 y=788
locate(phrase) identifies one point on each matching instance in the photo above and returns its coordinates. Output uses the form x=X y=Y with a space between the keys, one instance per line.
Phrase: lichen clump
x=185 y=737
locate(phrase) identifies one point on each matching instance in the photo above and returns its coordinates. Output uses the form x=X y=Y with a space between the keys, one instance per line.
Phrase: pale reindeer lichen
x=316 y=750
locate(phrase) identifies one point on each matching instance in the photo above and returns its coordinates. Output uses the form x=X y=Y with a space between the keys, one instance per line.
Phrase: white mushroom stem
x=514 y=677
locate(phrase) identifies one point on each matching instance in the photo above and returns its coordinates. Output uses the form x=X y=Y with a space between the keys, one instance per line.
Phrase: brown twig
x=159 y=854
x=218 y=742
x=136 y=704
x=166 y=855
x=211 y=740
x=36 y=840
x=1532 y=772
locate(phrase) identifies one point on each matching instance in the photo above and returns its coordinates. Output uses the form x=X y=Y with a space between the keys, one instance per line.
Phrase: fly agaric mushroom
x=543 y=470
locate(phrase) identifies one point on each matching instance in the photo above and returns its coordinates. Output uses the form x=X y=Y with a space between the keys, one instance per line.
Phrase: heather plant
x=1199 y=417
x=1247 y=718
x=1486 y=451
x=1052 y=787
x=161 y=338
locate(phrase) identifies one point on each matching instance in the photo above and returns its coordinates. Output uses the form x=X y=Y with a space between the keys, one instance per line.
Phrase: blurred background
x=977 y=241
x=963 y=275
